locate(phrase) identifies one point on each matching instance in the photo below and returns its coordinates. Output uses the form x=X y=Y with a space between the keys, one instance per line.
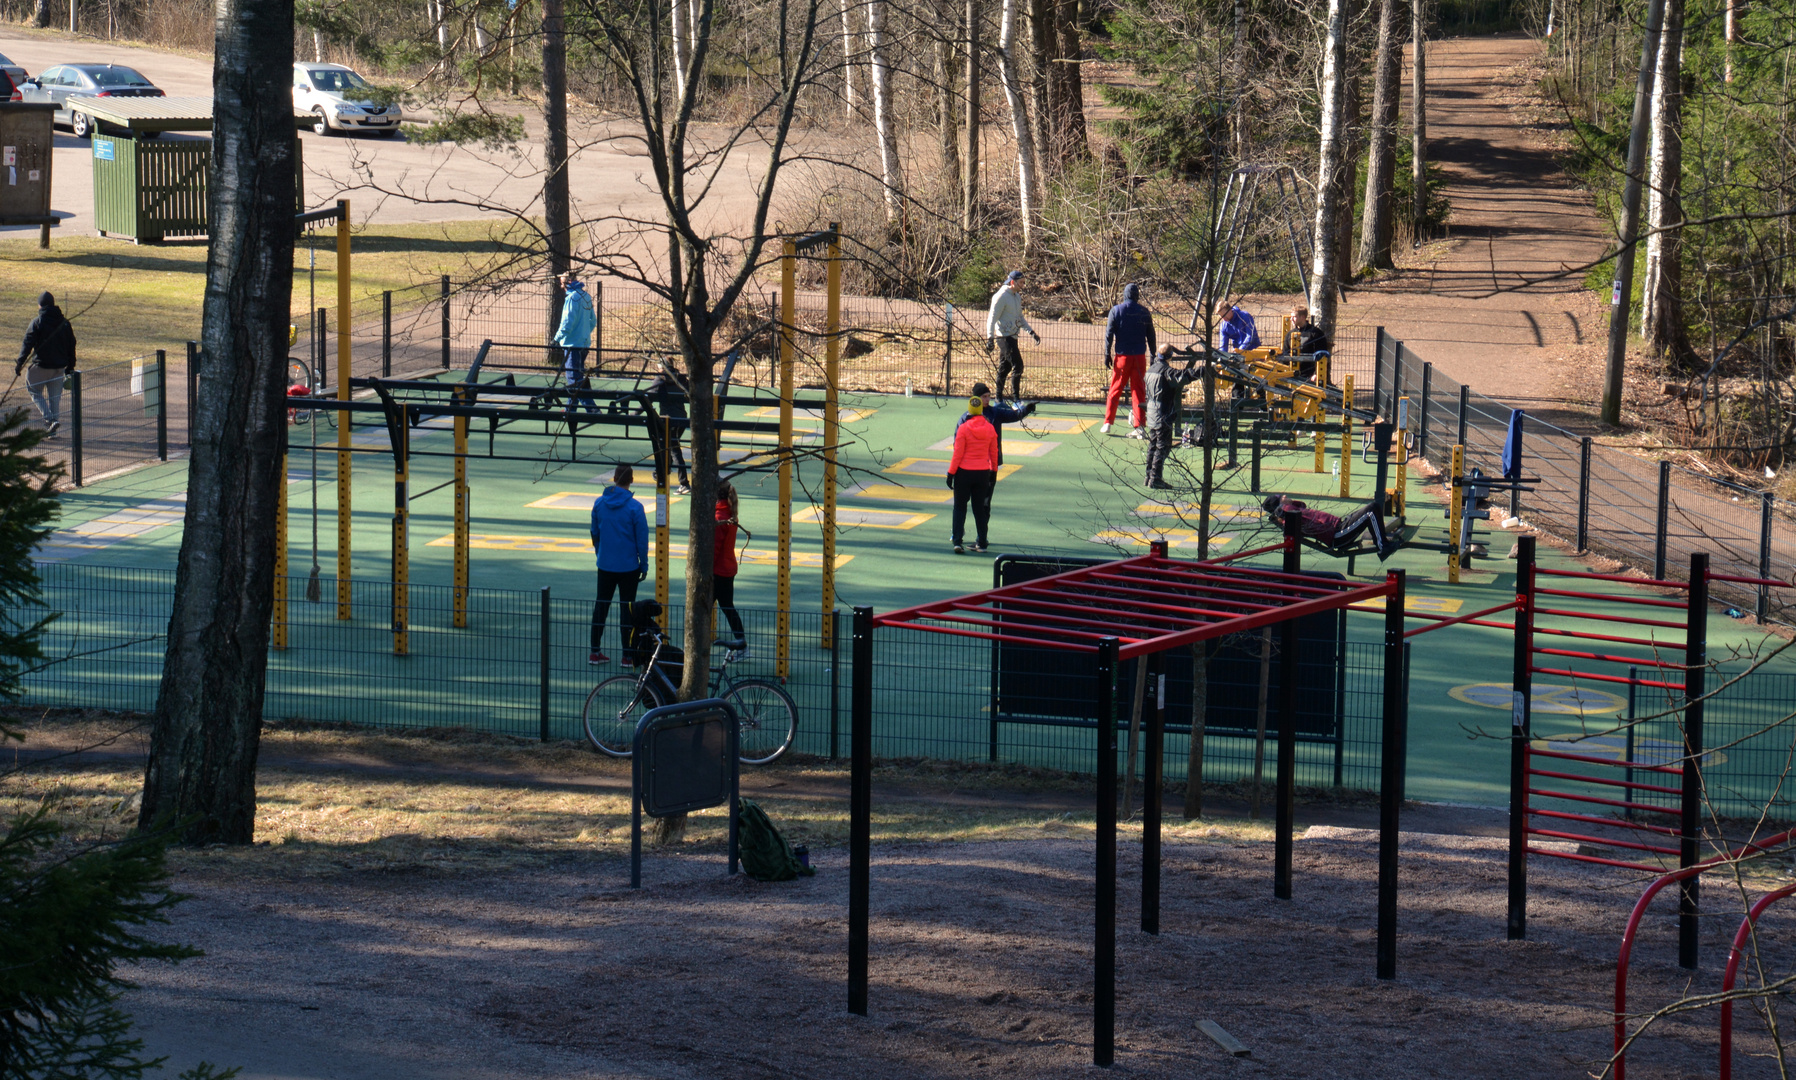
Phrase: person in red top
x=973 y=472
x=724 y=566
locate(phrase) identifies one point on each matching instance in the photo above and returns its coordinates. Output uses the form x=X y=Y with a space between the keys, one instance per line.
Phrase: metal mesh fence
x=114 y=415
x=1649 y=514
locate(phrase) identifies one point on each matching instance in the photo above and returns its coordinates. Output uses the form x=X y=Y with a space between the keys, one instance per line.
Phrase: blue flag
x=1512 y=447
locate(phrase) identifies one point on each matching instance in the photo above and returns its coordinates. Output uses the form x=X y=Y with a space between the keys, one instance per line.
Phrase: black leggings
x=723 y=589
x=622 y=582
x=1010 y=364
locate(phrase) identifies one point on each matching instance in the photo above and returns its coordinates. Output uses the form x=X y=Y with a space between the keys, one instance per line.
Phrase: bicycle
x=765 y=714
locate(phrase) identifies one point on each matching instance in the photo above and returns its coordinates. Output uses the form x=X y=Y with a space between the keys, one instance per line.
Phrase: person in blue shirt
x=620 y=539
x=1236 y=328
x=574 y=336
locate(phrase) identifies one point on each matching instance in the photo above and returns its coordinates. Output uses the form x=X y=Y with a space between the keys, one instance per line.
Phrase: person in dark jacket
x=1334 y=533
x=620 y=540
x=996 y=414
x=1165 y=398
x=1307 y=340
x=52 y=338
x=1128 y=338
x=668 y=392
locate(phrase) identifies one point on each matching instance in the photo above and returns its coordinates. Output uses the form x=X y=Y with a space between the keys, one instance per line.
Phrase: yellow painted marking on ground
x=583 y=545
x=1030 y=448
x=583 y=500
x=900 y=493
x=869 y=519
x=844 y=415
x=936 y=467
x=1056 y=425
x=1175 y=538
x=1433 y=605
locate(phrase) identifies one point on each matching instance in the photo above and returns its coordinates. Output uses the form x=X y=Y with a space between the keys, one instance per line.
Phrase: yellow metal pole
x=344 y=502
x=832 y=362
x=663 y=552
x=402 y=565
x=1346 y=436
x=459 y=600
x=1401 y=450
x=788 y=318
x=1455 y=508
x=280 y=560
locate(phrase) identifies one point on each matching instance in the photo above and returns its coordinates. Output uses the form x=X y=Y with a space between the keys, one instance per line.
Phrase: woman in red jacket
x=973 y=472
x=724 y=566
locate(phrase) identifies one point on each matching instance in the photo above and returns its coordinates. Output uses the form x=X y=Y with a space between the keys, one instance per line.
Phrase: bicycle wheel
x=766 y=718
x=612 y=711
x=299 y=373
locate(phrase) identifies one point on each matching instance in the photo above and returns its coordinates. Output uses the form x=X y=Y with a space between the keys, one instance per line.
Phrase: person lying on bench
x=1338 y=535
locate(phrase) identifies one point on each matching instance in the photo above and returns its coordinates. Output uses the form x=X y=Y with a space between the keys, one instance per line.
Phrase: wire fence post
x=835 y=683
x=1663 y=521
x=1397 y=351
x=386 y=334
x=948 y=351
x=162 y=404
x=74 y=379
x=1696 y=659
x=1465 y=410
x=1584 y=493
x=1427 y=400
x=1765 y=503
x=1377 y=369
x=193 y=386
x=445 y=334
x=1103 y=989
x=860 y=808
x=542 y=669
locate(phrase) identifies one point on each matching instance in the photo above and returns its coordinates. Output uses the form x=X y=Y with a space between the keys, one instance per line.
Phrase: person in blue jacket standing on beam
x=574 y=336
x=620 y=539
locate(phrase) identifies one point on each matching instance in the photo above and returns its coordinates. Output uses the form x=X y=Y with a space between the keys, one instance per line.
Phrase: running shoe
x=979 y=546
x=50 y=429
x=595 y=657
x=960 y=549
x=1137 y=433
x=736 y=656
x=1105 y=430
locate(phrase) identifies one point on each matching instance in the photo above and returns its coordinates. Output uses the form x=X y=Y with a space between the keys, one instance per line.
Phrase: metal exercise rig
x=1101 y=616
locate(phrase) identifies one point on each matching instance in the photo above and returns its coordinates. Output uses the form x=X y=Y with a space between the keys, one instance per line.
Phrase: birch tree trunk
x=439 y=16
x=1662 y=307
x=1325 y=270
x=1042 y=42
x=207 y=725
x=1069 y=112
x=1418 y=120
x=969 y=158
x=890 y=170
x=1028 y=197
x=850 y=48
x=1381 y=160
x=317 y=46
x=947 y=117
x=676 y=13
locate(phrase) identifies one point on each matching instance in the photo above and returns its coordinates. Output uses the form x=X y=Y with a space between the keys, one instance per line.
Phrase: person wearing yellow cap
x=972 y=473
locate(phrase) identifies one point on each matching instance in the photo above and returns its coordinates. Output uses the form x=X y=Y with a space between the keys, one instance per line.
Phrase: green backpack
x=765 y=854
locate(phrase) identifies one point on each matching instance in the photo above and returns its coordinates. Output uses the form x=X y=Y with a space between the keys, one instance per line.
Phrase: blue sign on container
x=103 y=149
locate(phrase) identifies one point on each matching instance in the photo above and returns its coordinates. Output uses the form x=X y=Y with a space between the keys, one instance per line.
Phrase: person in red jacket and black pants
x=973 y=472
x=724 y=566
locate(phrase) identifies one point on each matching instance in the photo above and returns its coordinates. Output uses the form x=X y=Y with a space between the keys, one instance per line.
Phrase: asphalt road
x=392 y=180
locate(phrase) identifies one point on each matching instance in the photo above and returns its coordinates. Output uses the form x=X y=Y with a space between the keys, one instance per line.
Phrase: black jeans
x=1159 y=445
x=973 y=486
x=723 y=590
x=1010 y=359
x=676 y=431
x=622 y=582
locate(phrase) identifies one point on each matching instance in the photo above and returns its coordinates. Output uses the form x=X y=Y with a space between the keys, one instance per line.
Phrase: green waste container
x=145 y=191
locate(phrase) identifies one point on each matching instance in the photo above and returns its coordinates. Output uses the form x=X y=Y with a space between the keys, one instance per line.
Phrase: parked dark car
x=17 y=72
x=9 y=91
x=66 y=84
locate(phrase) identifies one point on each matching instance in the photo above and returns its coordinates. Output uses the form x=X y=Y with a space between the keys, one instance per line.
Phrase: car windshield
x=6 y=62
x=116 y=76
x=337 y=81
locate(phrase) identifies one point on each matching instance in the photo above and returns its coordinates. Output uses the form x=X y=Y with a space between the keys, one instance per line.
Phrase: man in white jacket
x=1002 y=324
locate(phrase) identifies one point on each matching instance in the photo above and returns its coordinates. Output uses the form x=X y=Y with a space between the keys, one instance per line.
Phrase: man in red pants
x=1128 y=338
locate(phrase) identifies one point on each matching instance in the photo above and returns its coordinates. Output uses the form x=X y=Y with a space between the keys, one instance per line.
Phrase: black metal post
x=321 y=356
x=1151 y=793
x=835 y=683
x=1584 y=493
x=1285 y=810
x=1394 y=756
x=1765 y=502
x=735 y=751
x=1254 y=481
x=1427 y=399
x=1465 y=410
x=75 y=455
x=1396 y=378
x=635 y=820
x=193 y=386
x=860 y=807
x=1103 y=978
x=1696 y=661
x=162 y=404
x=1234 y=429
x=1382 y=433
x=386 y=334
x=542 y=670
x=445 y=299
x=1663 y=521
x=1633 y=687
x=1520 y=733
x=1377 y=370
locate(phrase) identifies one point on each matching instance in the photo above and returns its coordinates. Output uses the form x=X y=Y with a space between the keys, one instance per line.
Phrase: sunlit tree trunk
x=1069 y=101
x=1027 y=195
x=969 y=158
x=947 y=117
x=676 y=13
x=1662 y=307
x=1326 y=271
x=557 y=195
x=1418 y=118
x=850 y=59
x=891 y=170
x=207 y=725
x=1381 y=151
x=1042 y=43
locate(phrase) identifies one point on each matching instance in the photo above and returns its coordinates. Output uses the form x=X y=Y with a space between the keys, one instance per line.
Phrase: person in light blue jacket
x=575 y=335
x=620 y=540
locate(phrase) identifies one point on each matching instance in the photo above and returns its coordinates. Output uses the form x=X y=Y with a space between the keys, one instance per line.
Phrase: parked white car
x=337 y=99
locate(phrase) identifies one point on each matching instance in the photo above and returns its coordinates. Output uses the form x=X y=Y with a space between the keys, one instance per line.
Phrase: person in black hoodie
x=668 y=392
x=52 y=338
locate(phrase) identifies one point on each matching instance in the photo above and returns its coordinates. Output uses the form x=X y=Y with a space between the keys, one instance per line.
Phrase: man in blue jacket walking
x=575 y=334
x=620 y=539
x=1128 y=338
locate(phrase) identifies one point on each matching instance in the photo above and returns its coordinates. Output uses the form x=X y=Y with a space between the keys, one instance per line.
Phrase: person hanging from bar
x=1338 y=535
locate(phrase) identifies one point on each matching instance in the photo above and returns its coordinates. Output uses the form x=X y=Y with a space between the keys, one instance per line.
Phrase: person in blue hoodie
x=1128 y=338
x=620 y=539
x=575 y=334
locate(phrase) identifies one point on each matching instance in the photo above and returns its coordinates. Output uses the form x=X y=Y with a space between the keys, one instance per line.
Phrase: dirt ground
x=981 y=963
